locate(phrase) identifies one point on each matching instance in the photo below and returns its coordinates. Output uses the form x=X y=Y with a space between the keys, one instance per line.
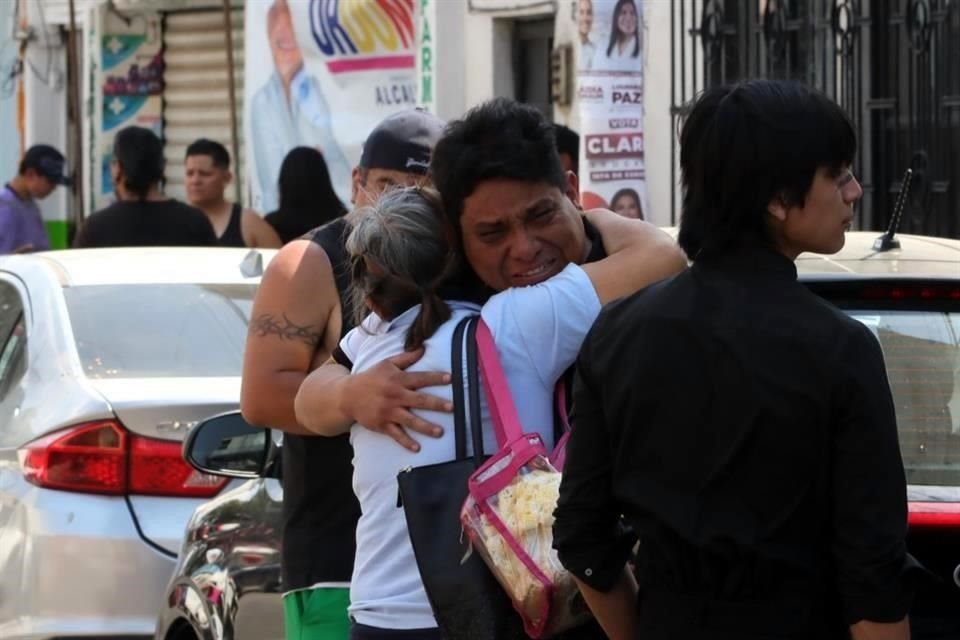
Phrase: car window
x=13 y=337
x=160 y=330
x=11 y=308
x=922 y=353
x=240 y=453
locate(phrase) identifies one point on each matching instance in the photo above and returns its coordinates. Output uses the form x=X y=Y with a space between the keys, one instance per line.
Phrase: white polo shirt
x=538 y=331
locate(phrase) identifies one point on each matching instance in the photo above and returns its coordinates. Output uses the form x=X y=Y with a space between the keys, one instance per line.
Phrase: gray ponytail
x=400 y=254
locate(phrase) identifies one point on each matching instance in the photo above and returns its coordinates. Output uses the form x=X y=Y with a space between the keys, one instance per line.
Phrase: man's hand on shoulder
x=382 y=399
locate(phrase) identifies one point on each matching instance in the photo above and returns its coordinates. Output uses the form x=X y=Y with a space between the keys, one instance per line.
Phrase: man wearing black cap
x=300 y=312
x=21 y=225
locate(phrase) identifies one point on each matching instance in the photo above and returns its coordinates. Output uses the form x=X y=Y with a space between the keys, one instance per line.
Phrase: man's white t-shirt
x=538 y=331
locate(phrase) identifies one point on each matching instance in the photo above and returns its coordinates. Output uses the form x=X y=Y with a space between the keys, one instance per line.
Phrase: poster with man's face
x=322 y=73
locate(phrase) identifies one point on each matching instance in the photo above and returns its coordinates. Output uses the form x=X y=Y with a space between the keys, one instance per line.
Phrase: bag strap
x=457 y=379
x=473 y=387
x=506 y=420
x=464 y=339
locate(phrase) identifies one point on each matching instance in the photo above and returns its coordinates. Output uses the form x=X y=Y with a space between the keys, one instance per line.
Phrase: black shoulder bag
x=467 y=600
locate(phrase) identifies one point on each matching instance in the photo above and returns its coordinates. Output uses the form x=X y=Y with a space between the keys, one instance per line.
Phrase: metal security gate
x=893 y=65
x=196 y=100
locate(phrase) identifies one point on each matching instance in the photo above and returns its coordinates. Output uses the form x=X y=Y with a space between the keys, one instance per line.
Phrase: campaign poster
x=322 y=73
x=609 y=60
x=130 y=83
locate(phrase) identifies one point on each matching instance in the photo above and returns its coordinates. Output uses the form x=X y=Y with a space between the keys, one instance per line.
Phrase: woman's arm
x=318 y=401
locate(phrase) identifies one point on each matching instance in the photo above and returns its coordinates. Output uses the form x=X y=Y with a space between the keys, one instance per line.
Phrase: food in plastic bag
x=512 y=528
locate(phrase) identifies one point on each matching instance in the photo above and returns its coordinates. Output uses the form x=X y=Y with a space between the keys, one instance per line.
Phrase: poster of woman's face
x=624 y=31
x=615 y=28
x=626 y=202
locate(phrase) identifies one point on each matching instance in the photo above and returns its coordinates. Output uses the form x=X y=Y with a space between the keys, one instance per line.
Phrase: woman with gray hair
x=402 y=261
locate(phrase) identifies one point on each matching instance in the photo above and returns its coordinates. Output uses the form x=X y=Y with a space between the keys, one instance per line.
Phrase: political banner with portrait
x=610 y=54
x=322 y=73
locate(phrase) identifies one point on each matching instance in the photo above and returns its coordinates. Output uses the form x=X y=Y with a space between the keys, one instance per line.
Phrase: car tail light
x=103 y=457
x=935 y=515
x=902 y=291
x=157 y=468
x=90 y=458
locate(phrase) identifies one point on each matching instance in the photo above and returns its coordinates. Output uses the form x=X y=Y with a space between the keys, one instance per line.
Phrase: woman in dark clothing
x=307 y=198
x=738 y=425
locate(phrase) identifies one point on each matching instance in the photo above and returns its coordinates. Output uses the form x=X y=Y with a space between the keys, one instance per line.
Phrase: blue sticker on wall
x=119 y=109
x=117 y=48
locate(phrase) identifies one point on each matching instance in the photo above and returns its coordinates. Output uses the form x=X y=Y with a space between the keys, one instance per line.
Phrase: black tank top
x=320 y=510
x=233 y=234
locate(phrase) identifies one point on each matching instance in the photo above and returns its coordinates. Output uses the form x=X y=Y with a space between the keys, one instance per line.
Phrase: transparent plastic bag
x=508 y=516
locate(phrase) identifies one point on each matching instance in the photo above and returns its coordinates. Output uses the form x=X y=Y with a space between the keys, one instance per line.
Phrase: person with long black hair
x=307 y=197
x=142 y=214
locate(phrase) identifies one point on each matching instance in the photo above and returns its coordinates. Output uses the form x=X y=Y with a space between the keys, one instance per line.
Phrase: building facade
x=895 y=67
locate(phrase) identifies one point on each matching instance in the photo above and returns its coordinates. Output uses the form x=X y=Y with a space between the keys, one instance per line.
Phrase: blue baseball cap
x=46 y=161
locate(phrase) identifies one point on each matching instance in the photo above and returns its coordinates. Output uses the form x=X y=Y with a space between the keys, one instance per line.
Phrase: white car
x=106 y=358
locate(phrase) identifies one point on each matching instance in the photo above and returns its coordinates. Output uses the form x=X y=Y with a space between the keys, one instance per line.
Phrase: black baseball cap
x=403 y=142
x=46 y=161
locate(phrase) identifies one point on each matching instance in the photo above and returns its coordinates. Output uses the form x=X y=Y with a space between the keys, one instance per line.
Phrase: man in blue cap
x=21 y=225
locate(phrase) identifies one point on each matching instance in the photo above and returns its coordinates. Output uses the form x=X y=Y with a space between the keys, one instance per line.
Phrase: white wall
x=488 y=42
x=9 y=135
x=479 y=71
x=450 y=59
x=658 y=127
x=45 y=91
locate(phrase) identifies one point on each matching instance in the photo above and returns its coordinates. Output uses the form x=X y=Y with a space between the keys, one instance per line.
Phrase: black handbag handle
x=466 y=330
x=456 y=371
x=473 y=386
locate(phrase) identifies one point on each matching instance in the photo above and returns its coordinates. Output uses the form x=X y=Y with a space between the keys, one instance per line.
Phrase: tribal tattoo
x=269 y=325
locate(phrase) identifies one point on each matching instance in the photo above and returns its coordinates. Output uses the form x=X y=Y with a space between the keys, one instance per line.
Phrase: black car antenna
x=886 y=242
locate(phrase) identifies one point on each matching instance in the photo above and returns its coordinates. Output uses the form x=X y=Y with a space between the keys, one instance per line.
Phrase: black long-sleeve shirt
x=744 y=429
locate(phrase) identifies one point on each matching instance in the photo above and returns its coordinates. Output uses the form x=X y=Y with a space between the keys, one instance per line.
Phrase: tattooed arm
x=267 y=324
x=294 y=327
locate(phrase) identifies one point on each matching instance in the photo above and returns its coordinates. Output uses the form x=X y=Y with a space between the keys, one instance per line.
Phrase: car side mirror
x=227 y=445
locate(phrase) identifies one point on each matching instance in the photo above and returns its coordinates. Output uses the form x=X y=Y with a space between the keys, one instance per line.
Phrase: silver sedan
x=106 y=358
